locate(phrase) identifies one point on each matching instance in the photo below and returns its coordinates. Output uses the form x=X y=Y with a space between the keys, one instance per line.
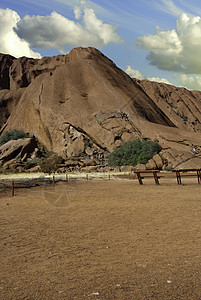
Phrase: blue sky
x=149 y=39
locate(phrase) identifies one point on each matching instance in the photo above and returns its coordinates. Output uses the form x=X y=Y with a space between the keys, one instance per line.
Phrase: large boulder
x=151 y=165
x=140 y=167
x=84 y=90
x=17 y=148
x=158 y=161
x=76 y=148
x=127 y=169
x=84 y=94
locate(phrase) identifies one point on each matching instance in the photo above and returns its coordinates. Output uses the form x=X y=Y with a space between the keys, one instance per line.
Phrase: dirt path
x=101 y=240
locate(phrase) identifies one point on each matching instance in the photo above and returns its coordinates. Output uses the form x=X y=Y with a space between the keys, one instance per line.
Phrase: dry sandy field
x=109 y=239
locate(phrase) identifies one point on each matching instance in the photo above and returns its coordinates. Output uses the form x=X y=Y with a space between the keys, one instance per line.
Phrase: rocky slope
x=83 y=105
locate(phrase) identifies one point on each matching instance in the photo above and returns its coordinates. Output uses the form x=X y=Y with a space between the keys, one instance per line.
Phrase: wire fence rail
x=11 y=184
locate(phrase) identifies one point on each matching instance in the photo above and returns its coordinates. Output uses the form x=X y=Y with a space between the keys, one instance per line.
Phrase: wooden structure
x=12 y=189
x=187 y=173
x=141 y=174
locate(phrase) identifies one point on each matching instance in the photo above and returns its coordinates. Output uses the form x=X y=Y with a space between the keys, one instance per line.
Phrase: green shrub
x=185 y=119
x=42 y=148
x=133 y=153
x=12 y=135
x=35 y=161
x=51 y=163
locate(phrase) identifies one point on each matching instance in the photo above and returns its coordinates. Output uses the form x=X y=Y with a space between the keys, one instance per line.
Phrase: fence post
x=53 y=179
x=178 y=176
x=12 y=189
x=66 y=177
x=198 y=175
x=87 y=177
x=139 y=177
x=155 y=177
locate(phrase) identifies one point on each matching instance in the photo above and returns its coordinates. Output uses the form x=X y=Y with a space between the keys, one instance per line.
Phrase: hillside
x=81 y=104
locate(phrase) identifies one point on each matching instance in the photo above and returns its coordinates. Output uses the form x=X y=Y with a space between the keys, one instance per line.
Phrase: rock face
x=82 y=104
x=180 y=105
x=6 y=62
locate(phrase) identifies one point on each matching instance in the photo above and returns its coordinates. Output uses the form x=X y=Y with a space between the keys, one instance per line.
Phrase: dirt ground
x=101 y=240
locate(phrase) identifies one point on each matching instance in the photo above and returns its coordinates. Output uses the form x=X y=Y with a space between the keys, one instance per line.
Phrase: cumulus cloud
x=137 y=74
x=158 y=79
x=56 y=31
x=190 y=82
x=10 y=41
x=134 y=73
x=176 y=50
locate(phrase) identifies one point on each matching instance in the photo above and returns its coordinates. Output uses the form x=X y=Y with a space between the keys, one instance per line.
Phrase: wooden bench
x=141 y=174
x=185 y=173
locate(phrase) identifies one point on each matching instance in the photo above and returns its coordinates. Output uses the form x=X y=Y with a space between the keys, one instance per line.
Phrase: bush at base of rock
x=51 y=163
x=33 y=162
x=133 y=152
x=13 y=135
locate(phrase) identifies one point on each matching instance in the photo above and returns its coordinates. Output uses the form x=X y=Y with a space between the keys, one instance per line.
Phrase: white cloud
x=134 y=73
x=77 y=12
x=10 y=42
x=176 y=50
x=190 y=82
x=158 y=79
x=56 y=31
x=137 y=74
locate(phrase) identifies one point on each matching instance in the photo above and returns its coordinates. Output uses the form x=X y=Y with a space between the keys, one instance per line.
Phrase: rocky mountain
x=82 y=105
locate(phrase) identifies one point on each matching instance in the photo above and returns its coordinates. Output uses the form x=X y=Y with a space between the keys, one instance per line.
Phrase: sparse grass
x=8 y=171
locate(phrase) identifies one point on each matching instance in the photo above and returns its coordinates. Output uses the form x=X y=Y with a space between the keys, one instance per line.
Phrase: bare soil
x=101 y=240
